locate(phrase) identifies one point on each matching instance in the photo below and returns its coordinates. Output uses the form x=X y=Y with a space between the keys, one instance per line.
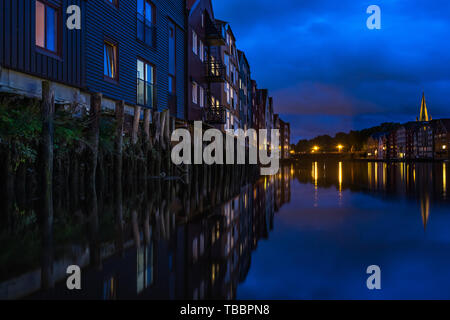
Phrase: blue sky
x=328 y=72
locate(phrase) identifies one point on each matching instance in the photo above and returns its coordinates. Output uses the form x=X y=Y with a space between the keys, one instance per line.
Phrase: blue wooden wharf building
x=130 y=50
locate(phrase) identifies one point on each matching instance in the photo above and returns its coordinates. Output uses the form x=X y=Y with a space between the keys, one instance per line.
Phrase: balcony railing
x=146 y=94
x=215 y=33
x=216 y=115
x=146 y=31
x=215 y=72
x=172 y=104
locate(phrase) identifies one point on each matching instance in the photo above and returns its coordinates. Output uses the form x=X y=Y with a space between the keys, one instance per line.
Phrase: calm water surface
x=309 y=232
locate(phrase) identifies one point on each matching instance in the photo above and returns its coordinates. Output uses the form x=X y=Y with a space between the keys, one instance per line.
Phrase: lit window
x=110 y=60
x=202 y=97
x=194 y=92
x=46 y=27
x=194 y=42
x=201 y=51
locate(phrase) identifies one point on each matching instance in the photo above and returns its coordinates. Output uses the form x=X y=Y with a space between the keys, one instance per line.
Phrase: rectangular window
x=227 y=64
x=145 y=84
x=146 y=18
x=202 y=97
x=201 y=51
x=227 y=91
x=194 y=43
x=110 y=60
x=46 y=27
x=172 y=85
x=194 y=92
x=113 y=2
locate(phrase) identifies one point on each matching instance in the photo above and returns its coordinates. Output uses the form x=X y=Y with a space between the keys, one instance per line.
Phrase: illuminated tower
x=423 y=117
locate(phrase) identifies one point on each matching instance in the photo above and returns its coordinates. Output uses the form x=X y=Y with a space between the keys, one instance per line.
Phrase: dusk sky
x=328 y=72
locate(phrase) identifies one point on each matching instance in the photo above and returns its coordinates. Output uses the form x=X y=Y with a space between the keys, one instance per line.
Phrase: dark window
x=46 y=27
x=115 y=3
x=146 y=16
x=110 y=60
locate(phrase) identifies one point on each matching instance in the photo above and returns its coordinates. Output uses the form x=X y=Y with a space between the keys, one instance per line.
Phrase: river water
x=310 y=232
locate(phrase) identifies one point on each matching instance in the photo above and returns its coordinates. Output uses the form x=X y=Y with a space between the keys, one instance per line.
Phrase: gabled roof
x=243 y=58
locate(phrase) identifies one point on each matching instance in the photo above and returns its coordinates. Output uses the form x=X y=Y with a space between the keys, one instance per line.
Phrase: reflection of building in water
x=425 y=209
x=205 y=258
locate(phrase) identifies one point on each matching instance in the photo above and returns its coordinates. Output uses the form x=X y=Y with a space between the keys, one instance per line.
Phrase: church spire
x=423 y=110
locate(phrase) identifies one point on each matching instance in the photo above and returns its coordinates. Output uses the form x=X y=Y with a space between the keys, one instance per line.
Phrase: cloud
x=318 y=59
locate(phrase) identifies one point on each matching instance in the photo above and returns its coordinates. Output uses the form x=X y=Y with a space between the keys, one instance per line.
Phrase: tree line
x=353 y=141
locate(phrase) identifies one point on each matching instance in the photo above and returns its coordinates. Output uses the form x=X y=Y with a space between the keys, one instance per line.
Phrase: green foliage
x=107 y=132
x=20 y=128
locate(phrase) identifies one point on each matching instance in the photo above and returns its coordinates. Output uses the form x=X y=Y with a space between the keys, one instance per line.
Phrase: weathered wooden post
x=147 y=146
x=93 y=140
x=118 y=162
x=91 y=194
x=147 y=126
x=118 y=147
x=136 y=119
x=46 y=182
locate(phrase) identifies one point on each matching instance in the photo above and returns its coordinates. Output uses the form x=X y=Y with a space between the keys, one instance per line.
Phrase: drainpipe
x=186 y=66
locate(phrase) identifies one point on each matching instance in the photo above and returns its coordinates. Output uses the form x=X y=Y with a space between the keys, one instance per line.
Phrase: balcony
x=172 y=104
x=215 y=115
x=215 y=72
x=215 y=34
x=146 y=94
x=146 y=31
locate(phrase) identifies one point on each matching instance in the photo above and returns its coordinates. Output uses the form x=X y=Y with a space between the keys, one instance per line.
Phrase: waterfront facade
x=424 y=139
x=35 y=46
x=245 y=92
x=133 y=52
x=152 y=55
x=141 y=62
x=285 y=133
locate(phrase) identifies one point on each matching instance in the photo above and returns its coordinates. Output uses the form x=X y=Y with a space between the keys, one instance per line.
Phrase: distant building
x=424 y=141
x=442 y=139
x=245 y=92
x=285 y=139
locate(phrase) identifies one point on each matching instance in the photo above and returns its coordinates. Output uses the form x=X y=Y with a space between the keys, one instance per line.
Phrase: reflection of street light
x=340 y=147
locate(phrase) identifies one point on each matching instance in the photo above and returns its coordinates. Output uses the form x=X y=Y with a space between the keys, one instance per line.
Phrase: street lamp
x=340 y=147
x=444 y=147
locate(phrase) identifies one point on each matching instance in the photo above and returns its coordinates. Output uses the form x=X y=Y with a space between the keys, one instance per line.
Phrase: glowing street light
x=444 y=147
x=316 y=148
x=340 y=147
